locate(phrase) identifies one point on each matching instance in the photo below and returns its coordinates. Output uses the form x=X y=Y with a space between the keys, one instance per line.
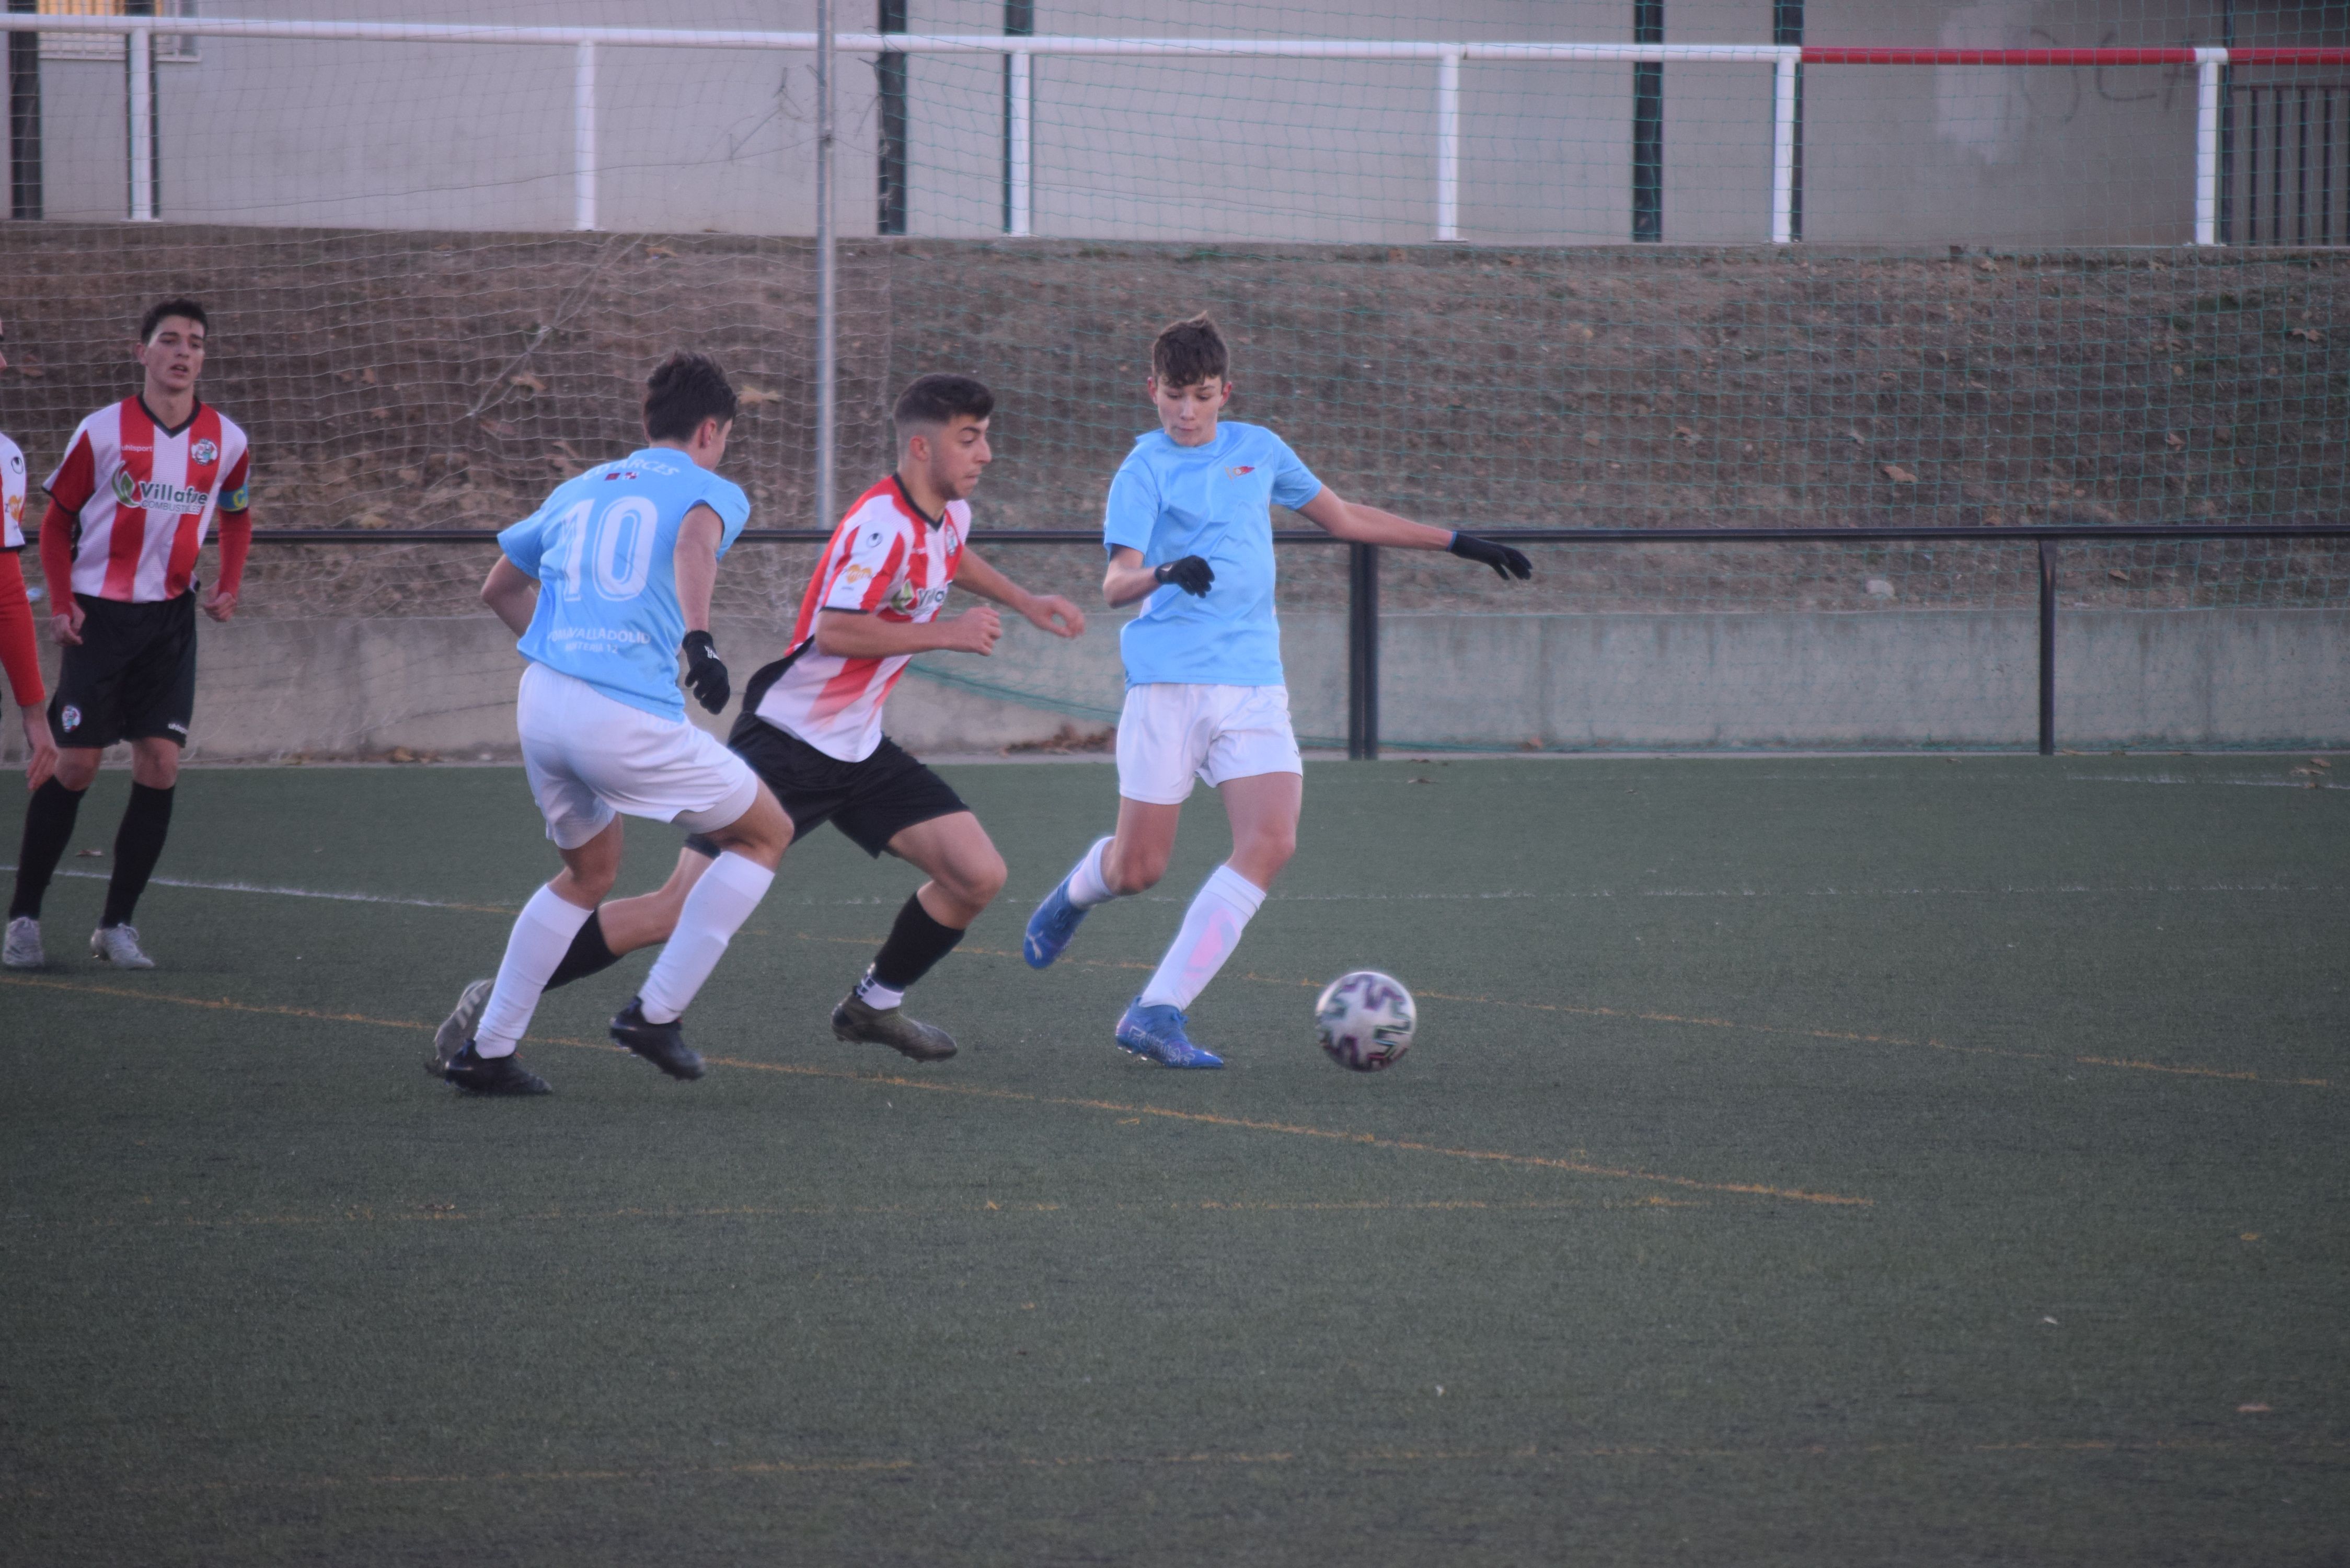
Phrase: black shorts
x=872 y=801
x=132 y=677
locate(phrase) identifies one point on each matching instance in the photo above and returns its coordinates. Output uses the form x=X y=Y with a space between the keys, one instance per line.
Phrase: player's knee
x=77 y=769
x=1271 y=847
x=1134 y=872
x=981 y=879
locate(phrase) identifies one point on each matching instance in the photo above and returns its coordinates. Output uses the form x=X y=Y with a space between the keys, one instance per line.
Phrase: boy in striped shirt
x=811 y=721
x=129 y=508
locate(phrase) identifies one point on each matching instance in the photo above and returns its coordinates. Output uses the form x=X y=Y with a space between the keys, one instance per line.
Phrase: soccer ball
x=1365 y=1019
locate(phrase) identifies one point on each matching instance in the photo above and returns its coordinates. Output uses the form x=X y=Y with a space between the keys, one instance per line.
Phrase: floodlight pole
x=828 y=290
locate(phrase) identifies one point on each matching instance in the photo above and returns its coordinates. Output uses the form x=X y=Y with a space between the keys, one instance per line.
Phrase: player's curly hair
x=1190 y=351
x=933 y=401
x=683 y=390
x=162 y=310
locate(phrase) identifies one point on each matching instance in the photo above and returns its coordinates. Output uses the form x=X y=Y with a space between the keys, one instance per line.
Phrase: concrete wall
x=1886 y=678
x=409 y=136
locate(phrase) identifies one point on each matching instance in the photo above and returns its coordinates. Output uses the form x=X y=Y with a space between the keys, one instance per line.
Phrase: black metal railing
x=2284 y=175
x=1363 y=572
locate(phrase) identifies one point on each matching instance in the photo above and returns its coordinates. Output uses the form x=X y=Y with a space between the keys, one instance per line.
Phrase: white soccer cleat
x=24 y=948
x=119 y=945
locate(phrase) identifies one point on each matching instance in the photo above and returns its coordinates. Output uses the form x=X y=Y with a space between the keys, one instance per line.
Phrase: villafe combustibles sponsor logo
x=156 y=495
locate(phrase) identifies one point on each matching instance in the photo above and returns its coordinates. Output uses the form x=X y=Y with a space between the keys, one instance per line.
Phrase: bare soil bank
x=425 y=379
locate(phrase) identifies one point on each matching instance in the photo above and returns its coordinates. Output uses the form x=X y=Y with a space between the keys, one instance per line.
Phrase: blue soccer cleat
x=1051 y=927
x=1156 y=1034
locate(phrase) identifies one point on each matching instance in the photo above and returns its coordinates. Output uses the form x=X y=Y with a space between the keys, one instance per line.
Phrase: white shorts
x=1172 y=732
x=589 y=756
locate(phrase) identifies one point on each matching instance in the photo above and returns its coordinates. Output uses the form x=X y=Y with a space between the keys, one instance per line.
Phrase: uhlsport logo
x=70 y=718
x=204 y=452
x=155 y=495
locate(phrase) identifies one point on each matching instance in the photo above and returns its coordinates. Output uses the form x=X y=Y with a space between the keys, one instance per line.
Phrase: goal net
x=2067 y=264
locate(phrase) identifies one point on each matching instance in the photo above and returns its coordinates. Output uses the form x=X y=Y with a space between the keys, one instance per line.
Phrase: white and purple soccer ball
x=1364 y=1020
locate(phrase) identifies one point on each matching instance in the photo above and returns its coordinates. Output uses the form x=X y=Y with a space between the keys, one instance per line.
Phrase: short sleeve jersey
x=144 y=495
x=12 y=495
x=886 y=559
x=1215 y=501
x=604 y=550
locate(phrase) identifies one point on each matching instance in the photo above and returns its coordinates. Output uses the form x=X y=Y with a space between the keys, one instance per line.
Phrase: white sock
x=542 y=935
x=1211 y=930
x=1087 y=886
x=713 y=912
x=874 y=994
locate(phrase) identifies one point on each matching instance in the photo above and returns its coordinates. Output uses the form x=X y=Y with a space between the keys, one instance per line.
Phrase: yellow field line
x=1842 y=1036
x=1122 y=1108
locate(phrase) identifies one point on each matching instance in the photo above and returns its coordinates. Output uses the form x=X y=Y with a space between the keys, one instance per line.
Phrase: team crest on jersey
x=203 y=451
x=70 y=718
x=1242 y=472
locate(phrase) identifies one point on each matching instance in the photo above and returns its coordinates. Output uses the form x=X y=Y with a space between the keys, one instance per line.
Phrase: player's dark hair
x=938 y=399
x=158 y=314
x=1189 y=352
x=683 y=390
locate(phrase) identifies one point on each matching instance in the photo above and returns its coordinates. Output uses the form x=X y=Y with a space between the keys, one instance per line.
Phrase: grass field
x=1855 y=1161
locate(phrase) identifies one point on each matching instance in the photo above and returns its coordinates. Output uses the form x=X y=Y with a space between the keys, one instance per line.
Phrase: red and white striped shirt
x=12 y=495
x=885 y=559
x=144 y=496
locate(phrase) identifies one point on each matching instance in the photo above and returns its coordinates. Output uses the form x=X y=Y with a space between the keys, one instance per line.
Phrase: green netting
x=1992 y=316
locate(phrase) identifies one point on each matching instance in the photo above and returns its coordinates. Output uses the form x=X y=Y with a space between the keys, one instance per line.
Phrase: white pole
x=1448 y=145
x=583 y=136
x=827 y=297
x=2208 y=63
x=1023 y=130
x=1783 y=146
x=137 y=57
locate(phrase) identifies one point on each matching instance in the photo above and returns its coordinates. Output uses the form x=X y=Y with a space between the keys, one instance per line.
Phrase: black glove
x=1191 y=574
x=1506 y=563
x=705 y=673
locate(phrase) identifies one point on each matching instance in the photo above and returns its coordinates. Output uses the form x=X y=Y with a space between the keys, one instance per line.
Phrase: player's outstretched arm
x=1046 y=612
x=512 y=594
x=1360 y=524
x=1129 y=579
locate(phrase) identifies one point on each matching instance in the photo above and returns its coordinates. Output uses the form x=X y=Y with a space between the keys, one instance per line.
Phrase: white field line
x=390 y=897
x=2176 y=779
x=1556 y=894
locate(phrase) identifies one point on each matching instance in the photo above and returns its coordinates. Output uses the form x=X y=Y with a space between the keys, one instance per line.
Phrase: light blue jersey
x=604 y=550
x=1213 y=501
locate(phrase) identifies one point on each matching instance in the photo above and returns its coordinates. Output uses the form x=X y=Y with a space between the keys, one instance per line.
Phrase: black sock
x=137 y=845
x=48 y=827
x=588 y=952
x=915 y=942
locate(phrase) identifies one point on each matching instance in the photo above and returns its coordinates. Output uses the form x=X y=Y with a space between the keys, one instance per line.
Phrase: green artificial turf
x=1576 y=1282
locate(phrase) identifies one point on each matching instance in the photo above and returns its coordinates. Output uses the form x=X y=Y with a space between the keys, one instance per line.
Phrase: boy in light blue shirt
x=608 y=610
x=1190 y=528
x=606 y=585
